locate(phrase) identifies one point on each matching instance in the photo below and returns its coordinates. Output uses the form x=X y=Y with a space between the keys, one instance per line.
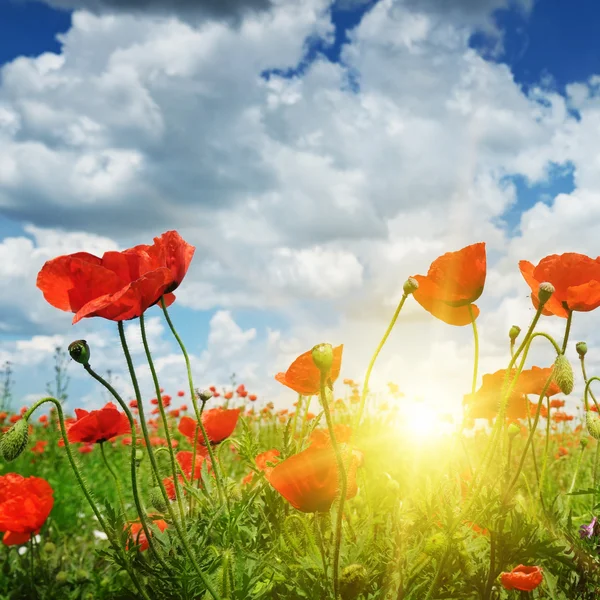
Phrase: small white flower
x=37 y=539
x=100 y=535
x=22 y=550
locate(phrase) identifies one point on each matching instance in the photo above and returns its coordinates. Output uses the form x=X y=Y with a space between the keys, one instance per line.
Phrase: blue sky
x=297 y=138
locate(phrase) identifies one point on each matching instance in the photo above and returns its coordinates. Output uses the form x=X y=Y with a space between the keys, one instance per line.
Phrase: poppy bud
x=410 y=285
x=563 y=374
x=205 y=395
x=139 y=455
x=49 y=548
x=81 y=575
x=80 y=352
x=513 y=429
x=14 y=441
x=157 y=499
x=592 y=423
x=61 y=577
x=435 y=545
x=322 y=355
x=581 y=348
x=513 y=332
x=353 y=581
x=545 y=290
x=584 y=442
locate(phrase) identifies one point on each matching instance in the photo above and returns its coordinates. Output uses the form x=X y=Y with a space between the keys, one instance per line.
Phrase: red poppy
x=576 y=281
x=486 y=402
x=252 y=397
x=264 y=463
x=309 y=480
x=561 y=417
x=43 y=419
x=120 y=285
x=98 y=425
x=218 y=422
x=184 y=459
x=240 y=389
x=228 y=395
x=183 y=407
x=174 y=413
x=39 y=447
x=87 y=448
x=454 y=281
x=25 y=503
x=556 y=403
x=138 y=535
x=522 y=578
x=304 y=377
x=15 y=418
x=181 y=393
x=3 y=416
x=562 y=451
x=133 y=403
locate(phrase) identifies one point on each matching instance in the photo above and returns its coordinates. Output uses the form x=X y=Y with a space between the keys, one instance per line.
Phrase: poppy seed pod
x=353 y=581
x=410 y=285
x=14 y=441
x=581 y=348
x=545 y=292
x=563 y=374
x=80 y=352
x=322 y=355
x=157 y=499
x=205 y=395
x=514 y=332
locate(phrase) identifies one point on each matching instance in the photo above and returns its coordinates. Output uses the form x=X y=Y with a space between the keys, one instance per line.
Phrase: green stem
x=216 y=470
x=476 y=343
x=87 y=493
x=319 y=536
x=116 y=480
x=546 y=447
x=295 y=419
x=134 y=485
x=567 y=331
x=155 y=468
x=344 y=484
x=373 y=359
x=161 y=408
x=304 y=423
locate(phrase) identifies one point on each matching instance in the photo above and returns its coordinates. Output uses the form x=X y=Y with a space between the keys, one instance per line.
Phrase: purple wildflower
x=587 y=531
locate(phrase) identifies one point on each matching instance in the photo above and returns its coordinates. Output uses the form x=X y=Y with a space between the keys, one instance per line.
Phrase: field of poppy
x=217 y=494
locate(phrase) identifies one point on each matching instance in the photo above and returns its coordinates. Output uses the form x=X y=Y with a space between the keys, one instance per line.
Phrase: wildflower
x=228 y=395
x=219 y=424
x=120 y=285
x=588 y=531
x=522 y=578
x=309 y=480
x=43 y=419
x=265 y=463
x=184 y=459
x=252 y=397
x=25 y=503
x=576 y=281
x=562 y=451
x=556 y=403
x=133 y=403
x=87 y=448
x=98 y=425
x=181 y=393
x=454 y=281
x=138 y=535
x=39 y=447
x=303 y=375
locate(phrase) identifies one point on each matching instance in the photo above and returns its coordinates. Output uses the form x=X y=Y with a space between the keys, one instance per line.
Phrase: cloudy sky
x=316 y=155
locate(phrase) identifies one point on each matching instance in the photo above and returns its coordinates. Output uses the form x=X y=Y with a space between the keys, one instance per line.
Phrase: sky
x=316 y=154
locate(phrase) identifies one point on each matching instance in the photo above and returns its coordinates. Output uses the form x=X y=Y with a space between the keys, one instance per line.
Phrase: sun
x=422 y=421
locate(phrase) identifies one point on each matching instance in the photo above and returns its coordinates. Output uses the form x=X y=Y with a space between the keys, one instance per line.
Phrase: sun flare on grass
x=422 y=421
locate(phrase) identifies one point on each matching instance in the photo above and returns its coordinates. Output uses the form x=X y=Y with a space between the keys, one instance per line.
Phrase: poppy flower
x=264 y=462
x=561 y=417
x=87 y=448
x=184 y=459
x=133 y=403
x=25 y=503
x=138 y=535
x=120 y=285
x=576 y=281
x=228 y=395
x=562 y=451
x=39 y=447
x=522 y=578
x=98 y=425
x=252 y=397
x=454 y=281
x=219 y=424
x=181 y=393
x=309 y=480
x=304 y=377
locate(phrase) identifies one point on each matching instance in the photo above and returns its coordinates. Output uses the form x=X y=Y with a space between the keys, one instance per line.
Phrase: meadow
x=199 y=494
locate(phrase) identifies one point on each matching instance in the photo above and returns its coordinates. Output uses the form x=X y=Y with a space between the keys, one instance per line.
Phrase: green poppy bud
x=584 y=442
x=410 y=286
x=139 y=455
x=581 y=348
x=80 y=352
x=545 y=291
x=322 y=355
x=14 y=441
x=61 y=577
x=592 y=423
x=157 y=499
x=513 y=332
x=435 y=545
x=353 y=581
x=49 y=548
x=513 y=429
x=563 y=374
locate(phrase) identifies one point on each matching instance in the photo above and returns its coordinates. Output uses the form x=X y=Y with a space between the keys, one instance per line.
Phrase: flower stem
x=343 y=487
x=216 y=470
x=155 y=468
x=86 y=491
x=116 y=480
x=567 y=331
x=374 y=358
x=161 y=408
